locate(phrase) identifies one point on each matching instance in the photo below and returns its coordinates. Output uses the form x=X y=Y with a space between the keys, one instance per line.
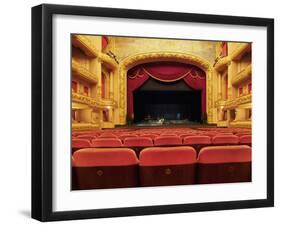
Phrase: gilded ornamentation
x=85 y=44
x=222 y=63
x=102 y=103
x=242 y=75
x=132 y=61
x=238 y=101
x=243 y=47
x=83 y=72
x=107 y=60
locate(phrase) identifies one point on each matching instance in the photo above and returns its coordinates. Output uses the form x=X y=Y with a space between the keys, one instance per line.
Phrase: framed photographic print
x=147 y=112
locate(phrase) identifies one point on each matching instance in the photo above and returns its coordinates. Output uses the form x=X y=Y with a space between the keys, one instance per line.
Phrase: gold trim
x=242 y=76
x=238 y=101
x=107 y=61
x=83 y=72
x=222 y=63
x=85 y=45
x=84 y=126
x=240 y=50
x=100 y=104
x=132 y=61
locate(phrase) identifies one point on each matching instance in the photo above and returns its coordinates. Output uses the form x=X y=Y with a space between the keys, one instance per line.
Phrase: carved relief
x=83 y=72
x=238 y=101
x=132 y=61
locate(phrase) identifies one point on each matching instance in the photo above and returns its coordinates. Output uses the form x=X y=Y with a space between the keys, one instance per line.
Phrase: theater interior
x=159 y=112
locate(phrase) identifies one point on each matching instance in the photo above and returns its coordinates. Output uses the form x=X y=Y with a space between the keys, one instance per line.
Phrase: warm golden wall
x=125 y=47
x=228 y=77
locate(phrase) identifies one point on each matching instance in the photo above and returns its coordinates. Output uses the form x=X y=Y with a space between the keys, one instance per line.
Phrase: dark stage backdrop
x=166 y=72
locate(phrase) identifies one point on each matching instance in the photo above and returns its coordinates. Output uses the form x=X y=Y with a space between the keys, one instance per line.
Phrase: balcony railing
x=242 y=76
x=94 y=103
x=238 y=101
x=85 y=45
x=83 y=72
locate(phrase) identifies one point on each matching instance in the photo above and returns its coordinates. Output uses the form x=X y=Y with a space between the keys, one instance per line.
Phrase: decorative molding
x=83 y=72
x=242 y=76
x=79 y=98
x=240 y=50
x=91 y=102
x=220 y=103
x=132 y=61
x=82 y=42
x=222 y=63
x=238 y=101
x=107 y=103
x=245 y=123
x=84 y=126
x=107 y=61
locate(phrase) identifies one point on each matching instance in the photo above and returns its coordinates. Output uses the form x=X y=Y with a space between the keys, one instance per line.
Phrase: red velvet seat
x=225 y=139
x=138 y=142
x=160 y=166
x=167 y=141
x=183 y=135
x=224 y=164
x=104 y=168
x=107 y=135
x=106 y=142
x=152 y=136
x=123 y=137
x=197 y=142
x=86 y=136
x=78 y=143
x=239 y=134
x=246 y=139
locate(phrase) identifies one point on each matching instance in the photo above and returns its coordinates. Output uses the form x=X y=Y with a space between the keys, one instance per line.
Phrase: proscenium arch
x=186 y=58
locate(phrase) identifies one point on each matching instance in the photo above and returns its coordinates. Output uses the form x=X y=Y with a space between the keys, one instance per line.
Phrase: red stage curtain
x=104 y=42
x=165 y=72
x=224 y=49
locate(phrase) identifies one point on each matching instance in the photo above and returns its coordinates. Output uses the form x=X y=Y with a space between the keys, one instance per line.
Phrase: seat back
x=246 y=139
x=94 y=168
x=138 y=142
x=78 y=143
x=225 y=139
x=160 y=166
x=167 y=141
x=86 y=136
x=199 y=139
x=106 y=142
x=107 y=135
x=224 y=164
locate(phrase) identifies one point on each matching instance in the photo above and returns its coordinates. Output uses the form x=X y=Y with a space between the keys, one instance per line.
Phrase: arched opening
x=166 y=90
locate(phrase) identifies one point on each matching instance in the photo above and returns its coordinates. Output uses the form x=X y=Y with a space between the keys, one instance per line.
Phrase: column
x=240 y=114
x=111 y=85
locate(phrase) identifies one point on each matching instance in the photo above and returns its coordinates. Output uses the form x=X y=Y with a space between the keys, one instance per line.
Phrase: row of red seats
x=159 y=166
x=119 y=131
x=161 y=141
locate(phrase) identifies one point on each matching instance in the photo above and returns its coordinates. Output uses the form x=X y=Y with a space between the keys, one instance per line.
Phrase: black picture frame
x=42 y=111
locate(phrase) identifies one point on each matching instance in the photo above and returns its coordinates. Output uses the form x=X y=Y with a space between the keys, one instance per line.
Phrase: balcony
x=238 y=52
x=242 y=76
x=91 y=102
x=83 y=72
x=108 y=61
x=107 y=103
x=84 y=126
x=220 y=103
x=85 y=45
x=238 y=101
x=222 y=63
x=79 y=98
